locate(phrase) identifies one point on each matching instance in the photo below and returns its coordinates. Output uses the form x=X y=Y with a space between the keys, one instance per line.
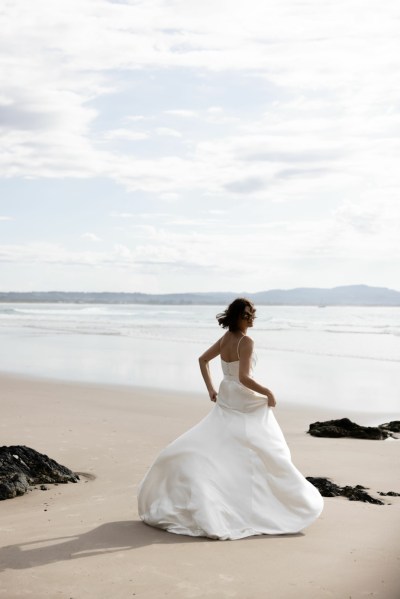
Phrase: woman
x=231 y=475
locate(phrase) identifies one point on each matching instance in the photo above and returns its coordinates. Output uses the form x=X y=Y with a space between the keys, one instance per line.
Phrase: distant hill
x=349 y=295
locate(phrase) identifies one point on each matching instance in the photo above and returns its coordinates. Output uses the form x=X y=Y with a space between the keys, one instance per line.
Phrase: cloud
x=140 y=215
x=197 y=253
x=21 y=117
x=124 y=215
x=4 y=218
x=295 y=173
x=328 y=97
x=154 y=252
x=187 y=114
x=215 y=109
x=302 y=155
x=168 y=132
x=169 y=196
x=247 y=185
x=126 y=134
x=135 y=118
x=90 y=237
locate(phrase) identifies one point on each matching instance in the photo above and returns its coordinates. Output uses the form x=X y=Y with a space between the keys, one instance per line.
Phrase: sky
x=166 y=146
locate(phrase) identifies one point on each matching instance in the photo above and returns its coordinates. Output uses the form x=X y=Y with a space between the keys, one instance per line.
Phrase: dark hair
x=229 y=318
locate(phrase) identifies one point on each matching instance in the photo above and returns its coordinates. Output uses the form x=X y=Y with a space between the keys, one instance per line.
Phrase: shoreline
x=366 y=418
x=85 y=540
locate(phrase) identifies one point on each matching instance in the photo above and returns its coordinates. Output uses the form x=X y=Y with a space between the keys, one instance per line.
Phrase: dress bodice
x=232 y=394
x=230 y=369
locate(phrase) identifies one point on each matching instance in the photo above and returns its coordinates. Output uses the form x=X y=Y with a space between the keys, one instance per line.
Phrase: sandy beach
x=85 y=540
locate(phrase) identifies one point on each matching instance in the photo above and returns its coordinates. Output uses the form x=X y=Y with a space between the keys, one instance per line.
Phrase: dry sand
x=84 y=541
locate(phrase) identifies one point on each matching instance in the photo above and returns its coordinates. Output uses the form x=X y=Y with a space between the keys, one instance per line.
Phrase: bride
x=231 y=475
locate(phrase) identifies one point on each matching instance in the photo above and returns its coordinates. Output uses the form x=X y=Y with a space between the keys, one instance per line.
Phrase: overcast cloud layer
x=164 y=146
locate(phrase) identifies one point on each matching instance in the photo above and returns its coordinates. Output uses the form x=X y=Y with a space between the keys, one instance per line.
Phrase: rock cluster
x=344 y=427
x=393 y=426
x=22 y=467
x=327 y=488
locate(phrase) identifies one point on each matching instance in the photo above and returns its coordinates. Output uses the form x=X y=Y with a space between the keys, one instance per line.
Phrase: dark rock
x=391 y=493
x=346 y=428
x=393 y=426
x=357 y=493
x=21 y=467
x=326 y=487
x=329 y=489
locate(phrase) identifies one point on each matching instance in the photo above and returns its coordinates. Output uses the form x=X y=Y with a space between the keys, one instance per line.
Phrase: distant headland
x=348 y=295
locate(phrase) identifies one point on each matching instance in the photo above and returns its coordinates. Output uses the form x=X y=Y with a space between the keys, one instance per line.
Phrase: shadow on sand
x=107 y=538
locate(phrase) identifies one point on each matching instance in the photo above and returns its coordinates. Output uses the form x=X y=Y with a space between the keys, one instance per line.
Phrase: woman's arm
x=246 y=351
x=211 y=353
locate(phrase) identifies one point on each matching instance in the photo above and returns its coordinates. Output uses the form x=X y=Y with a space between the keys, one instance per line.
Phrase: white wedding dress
x=231 y=475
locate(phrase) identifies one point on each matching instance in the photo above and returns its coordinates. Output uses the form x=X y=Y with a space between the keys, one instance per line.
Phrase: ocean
x=347 y=358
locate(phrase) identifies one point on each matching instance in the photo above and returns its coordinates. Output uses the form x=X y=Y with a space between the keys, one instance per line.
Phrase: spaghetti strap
x=238 y=346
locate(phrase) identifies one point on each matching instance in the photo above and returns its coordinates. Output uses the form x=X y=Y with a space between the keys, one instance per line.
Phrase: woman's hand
x=213 y=395
x=271 y=400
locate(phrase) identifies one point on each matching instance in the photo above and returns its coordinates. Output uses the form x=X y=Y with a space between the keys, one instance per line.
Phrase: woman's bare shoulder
x=225 y=337
x=247 y=342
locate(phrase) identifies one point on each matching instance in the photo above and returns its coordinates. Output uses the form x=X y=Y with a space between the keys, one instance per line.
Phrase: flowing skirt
x=229 y=477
